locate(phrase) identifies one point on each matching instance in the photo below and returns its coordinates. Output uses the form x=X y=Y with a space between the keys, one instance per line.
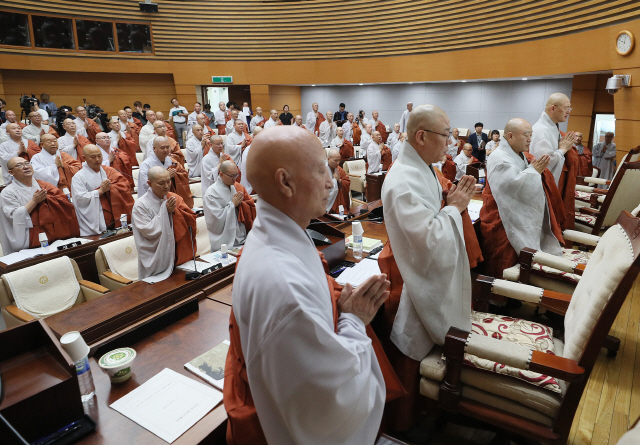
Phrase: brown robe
x=32 y=149
x=386 y=158
x=357 y=133
x=138 y=124
x=183 y=217
x=222 y=129
x=567 y=185
x=171 y=132
x=118 y=200
x=382 y=130
x=130 y=147
x=449 y=169
x=346 y=151
x=92 y=130
x=175 y=150
x=69 y=168
x=180 y=184
x=54 y=216
x=122 y=164
x=586 y=166
x=319 y=119
x=344 y=187
x=247 y=208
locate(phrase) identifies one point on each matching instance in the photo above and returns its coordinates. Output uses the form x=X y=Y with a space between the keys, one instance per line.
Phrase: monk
x=586 y=165
x=128 y=128
x=455 y=143
x=160 y=130
x=115 y=158
x=243 y=164
x=37 y=129
x=352 y=130
x=72 y=142
x=327 y=130
x=54 y=166
x=298 y=122
x=171 y=133
x=211 y=162
x=296 y=342
x=436 y=288
x=101 y=194
x=228 y=209
x=86 y=126
x=122 y=140
x=314 y=119
x=161 y=157
x=207 y=131
x=343 y=145
x=449 y=168
x=340 y=192
x=378 y=126
x=395 y=150
x=257 y=121
x=31 y=207
x=464 y=159
x=147 y=131
x=220 y=117
x=197 y=147
x=133 y=121
x=273 y=120
x=16 y=145
x=393 y=136
x=236 y=141
x=365 y=138
x=161 y=222
x=10 y=118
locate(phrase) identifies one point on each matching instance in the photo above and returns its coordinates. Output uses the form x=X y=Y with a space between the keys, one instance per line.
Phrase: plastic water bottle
x=357 y=231
x=123 y=222
x=341 y=209
x=85 y=379
x=44 y=243
x=223 y=251
x=73 y=343
x=66 y=192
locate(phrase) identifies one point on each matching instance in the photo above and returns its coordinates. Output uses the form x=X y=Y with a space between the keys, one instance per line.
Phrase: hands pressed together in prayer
x=112 y=156
x=21 y=148
x=336 y=175
x=105 y=186
x=58 y=161
x=365 y=300
x=541 y=164
x=567 y=142
x=460 y=195
x=39 y=196
x=237 y=199
x=172 y=172
x=171 y=204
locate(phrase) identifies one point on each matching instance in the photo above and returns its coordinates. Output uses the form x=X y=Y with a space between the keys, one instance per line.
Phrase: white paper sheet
x=216 y=257
x=25 y=254
x=168 y=404
x=474 y=209
x=359 y=273
x=200 y=266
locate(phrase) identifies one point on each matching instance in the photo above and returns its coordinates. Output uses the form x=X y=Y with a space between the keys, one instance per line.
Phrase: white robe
x=15 y=221
x=3 y=136
x=192 y=119
x=205 y=132
x=151 y=161
x=270 y=123
x=65 y=143
x=604 y=157
x=233 y=146
x=348 y=131
x=453 y=148
x=80 y=127
x=44 y=167
x=374 y=158
x=243 y=168
x=428 y=244
x=86 y=200
x=395 y=150
x=230 y=127
x=461 y=161
x=545 y=141
x=254 y=122
x=194 y=157
x=327 y=132
x=522 y=204
x=8 y=150
x=403 y=121
x=333 y=194
x=32 y=132
x=365 y=141
x=310 y=123
x=153 y=235
x=310 y=384
x=219 y=117
x=147 y=132
x=210 y=164
x=222 y=216
x=393 y=137
x=335 y=143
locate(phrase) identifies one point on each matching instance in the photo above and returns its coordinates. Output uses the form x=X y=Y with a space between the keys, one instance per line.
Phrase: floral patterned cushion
x=532 y=335
x=576 y=256
x=583 y=196
x=586 y=219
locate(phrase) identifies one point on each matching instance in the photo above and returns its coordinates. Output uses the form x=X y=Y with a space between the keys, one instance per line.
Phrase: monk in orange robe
x=586 y=166
x=171 y=132
x=134 y=122
x=14 y=131
x=319 y=119
x=343 y=183
x=379 y=126
x=567 y=184
x=356 y=133
x=54 y=216
x=183 y=217
x=247 y=208
x=118 y=159
x=66 y=165
x=124 y=143
x=160 y=128
x=10 y=116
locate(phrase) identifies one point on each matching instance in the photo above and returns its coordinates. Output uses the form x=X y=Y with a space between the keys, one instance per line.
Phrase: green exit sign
x=222 y=79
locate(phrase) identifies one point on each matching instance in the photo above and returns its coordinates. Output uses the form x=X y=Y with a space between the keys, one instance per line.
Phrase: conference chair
x=584 y=192
x=224 y=138
x=513 y=375
x=117 y=263
x=44 y=289
x=140 y=157
x=184 y=153
x=202 y=237
x=357 y=172
x=196 y=192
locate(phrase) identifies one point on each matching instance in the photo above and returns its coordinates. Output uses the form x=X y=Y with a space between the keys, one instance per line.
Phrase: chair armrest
x=19 y=313
x=581 y=237
x=117 y=278
x=589 y=211
x=555 y=301
x=355 y=176
x=600 y=191
x=518 y=291
x=546 y=259
x=584 y=188
x=93 y=286
x=556 y=366
x=591 y=180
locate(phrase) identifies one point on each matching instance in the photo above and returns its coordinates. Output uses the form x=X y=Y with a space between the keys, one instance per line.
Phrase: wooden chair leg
x=612 y=345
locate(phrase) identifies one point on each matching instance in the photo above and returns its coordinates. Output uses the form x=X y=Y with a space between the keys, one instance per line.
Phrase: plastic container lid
x=117 y=357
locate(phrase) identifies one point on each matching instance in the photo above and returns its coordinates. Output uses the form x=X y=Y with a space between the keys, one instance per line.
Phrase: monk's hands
x=237 y=199
x=336 y=175
x=172 y=172
x=244 y=143
x=460 y=195
x=470 y=161
x=366 y=299
x=58 y=162
x=567 y=142
x=541 y=164
x=112 y=156
x=39 y=196
x=75 y=142
x=21 y=147
x=105 y=186
x=42 y=132
x=171 y=204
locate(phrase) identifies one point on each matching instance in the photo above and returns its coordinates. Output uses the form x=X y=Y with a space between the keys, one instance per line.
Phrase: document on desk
x=168 y=404
x=26 y=254
x=359 y=273
x=474 y=209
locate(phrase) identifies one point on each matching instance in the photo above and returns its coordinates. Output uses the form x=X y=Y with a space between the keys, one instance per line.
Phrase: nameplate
x=212 y=268
x=70 y=245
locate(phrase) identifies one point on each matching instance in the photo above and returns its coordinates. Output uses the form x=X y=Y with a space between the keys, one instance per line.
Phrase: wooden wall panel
x=281 y=95
x=260 y=98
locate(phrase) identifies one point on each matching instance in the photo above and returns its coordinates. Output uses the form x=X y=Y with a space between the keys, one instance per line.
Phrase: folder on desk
x=368 y=244
x=210 y=365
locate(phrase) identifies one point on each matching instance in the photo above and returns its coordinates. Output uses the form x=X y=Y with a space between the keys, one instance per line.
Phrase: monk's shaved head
x=334 y=152
x=158 y=115
x=517 y=132
x=559 y=99
x=13 y=161
x=157 y=173
x=196 y=126
x=229 y=167
x=159 y=141
x=90 y=149
x=286 y=167
x=558 y=107
x=428 y=132
x=257 y=130
x=424 y=117
x=215 y=138
x=514 y=125
x=157 y=124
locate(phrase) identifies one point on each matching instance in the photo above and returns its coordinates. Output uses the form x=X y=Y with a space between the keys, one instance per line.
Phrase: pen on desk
x=53 y=438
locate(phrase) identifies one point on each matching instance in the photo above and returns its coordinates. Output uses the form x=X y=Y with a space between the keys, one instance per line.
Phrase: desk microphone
x=376 y=220
x=195 y=274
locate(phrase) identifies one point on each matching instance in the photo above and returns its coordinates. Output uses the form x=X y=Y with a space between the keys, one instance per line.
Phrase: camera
x=617 y=82
x=97 y=114
x=63 y=112
x=26 y=103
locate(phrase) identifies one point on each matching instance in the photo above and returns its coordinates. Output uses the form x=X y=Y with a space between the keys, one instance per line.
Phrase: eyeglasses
x=435 y=132
x=231 y=176
x=565 y=108
x=21 y=165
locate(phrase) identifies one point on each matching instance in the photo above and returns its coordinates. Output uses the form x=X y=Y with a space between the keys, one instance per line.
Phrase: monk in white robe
x=464 y=159
x=313 y=117
x=54 y=166
x=147 y=132
x=230 y=126
x=211 y=161
x=546 y=138
x=10 y=118
x=257 y=121
x=298 y=122
x=207 y=131
x=36 y=129
x=340 y=192
x=393 y=136
x=405 y=118
x=16 y=145
x=222 y=204
x=197 y=147
x=219 y=117
x=243 y=165
x=101 y=195
x=327 y=130
x=72 y=142
x=604 y=157
x=86 y=126
x=347 y=128
x=236 y=142
x=454 y=143
x=160 y=128
x=273 y=120
x=365 y=139
x=301 y=356
x=395 y=151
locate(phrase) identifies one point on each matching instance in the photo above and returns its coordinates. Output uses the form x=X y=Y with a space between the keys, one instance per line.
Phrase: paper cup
x=74 y=345
x=117 y=364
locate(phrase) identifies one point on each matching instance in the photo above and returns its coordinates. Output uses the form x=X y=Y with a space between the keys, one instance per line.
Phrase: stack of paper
x=368 y=244
x=474 y=209
x=359 y=273
x=199 y=266
x=216 y=258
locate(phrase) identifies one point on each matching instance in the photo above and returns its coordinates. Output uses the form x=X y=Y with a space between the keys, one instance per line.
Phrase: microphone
x=112 y=232
x=376 y=220
x=195 y=274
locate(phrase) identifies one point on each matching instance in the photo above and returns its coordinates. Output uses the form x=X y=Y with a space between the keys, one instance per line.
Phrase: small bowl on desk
x=117 y=364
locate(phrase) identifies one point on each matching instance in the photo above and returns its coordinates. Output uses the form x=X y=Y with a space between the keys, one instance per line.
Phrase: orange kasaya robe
x=319 y=119
x=567 y=185
x=138 y=124
x=207 y=121
x=54 y=216
x=496 y=248
x=53 y=131
x=357 y=133
x=133 y=134
x=227 y=116
x=247 y=208
x=386 y=158
x=346 y=151
x=92 y=130
x=22 y=124
x=175 y=151
x=183 y=217
x=586 y=166
x=69 y=168
x=222 y=129
x=32 y=149
x=82 y=141
x=122 y=164
x=170 y=131
x=118 y=200
x=382 y=130
x=180 y=184
x=344 y=187
x=130 y=147
x=244 y=427
x=449 y=169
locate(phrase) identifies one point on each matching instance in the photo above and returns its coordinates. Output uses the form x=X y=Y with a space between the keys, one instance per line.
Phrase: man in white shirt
x=405 y=118
x=195 y=151
x=393 y=137
x=220 y=118
x=257 y=121
x=546 y=138
x=147 y=132
x=236 y=142
x=36 y=129
x=193 y=117
x=328 y=130
x=179 y=116
x=462 y=160
x=348 y=127
x=604 y=157
x=211 y=162
x=365 y=139
x=295 y=342
x=273 y=119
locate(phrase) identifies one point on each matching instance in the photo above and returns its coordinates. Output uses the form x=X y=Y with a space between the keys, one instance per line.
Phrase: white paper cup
x=74 y=345
x=43 y=237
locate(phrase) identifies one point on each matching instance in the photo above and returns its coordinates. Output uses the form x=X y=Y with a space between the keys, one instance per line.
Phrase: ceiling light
x=524 y=78
x=463 y=81
x=360 y=84
x=313 y=85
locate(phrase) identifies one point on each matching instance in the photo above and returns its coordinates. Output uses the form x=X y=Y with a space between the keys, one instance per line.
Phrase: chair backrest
x=596 y=172
x=202 y=237
x=140 y=157
x=623 y=195
x=196 y=191
x=121 y=257
x=464 y=132
x=135 y=173
x=224 y=138
x=184 y=153
x=632 y=156
x=357 y=168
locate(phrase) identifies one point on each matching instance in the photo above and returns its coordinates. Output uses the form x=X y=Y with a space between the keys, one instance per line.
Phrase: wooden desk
x=374 y=187
x=171 y=347
x=84 y=255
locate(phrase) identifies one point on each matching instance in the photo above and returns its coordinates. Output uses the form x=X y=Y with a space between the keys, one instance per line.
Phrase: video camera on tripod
x=97 y=114
x=26 y=103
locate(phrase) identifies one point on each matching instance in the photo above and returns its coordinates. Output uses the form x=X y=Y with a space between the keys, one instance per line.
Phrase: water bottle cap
x=123 y=216
x=43 y=237
x=356 y=228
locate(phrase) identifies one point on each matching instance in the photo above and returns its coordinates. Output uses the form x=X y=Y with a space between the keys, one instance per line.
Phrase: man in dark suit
x=340 y=116
x=478 y=140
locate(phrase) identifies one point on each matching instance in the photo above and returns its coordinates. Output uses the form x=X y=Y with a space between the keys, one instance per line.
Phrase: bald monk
x=100 y=194
x=365 y=138
x=122 y=140
x=207 y=131
x=31 y=207
x=314 y=119
x=147 y=132
x=379 y=147
x=160 y=130
x=72 y=142
x=161 y=222
x=133 y=121
x=211 y=162
x=231 y=123
x=115 y=158
x=220 y=117
x=436 y=289
x=257 y=121
x=395 y=150
x=161 y=157
x=197 y=147
x=448 y=168
x=236 y=142
x=464 y=159
x=341 y=144
x=16 y=145
x=171 y=132
x=128 y=128
x=339 y=195
x=273 y=120
x=378 y=126
x=297 y=356
x=585 y=167
x=86 y=126
x=352 y=131
x=298 y=122
x=327 y=130
x=228 y=209
x=54 y=166
x=37 y=129
x=516 y=211
x=10 y=118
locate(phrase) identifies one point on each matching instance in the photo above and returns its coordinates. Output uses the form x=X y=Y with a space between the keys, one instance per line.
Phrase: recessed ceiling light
x=463 y=81
x=360 y=84
x=410 y=83
x=313 y=85
x=524 y=78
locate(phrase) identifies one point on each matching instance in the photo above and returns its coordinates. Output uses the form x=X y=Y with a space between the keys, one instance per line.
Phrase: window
x=135 y=38
x=14 y=29
x=94 y=35
x=52 y=32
